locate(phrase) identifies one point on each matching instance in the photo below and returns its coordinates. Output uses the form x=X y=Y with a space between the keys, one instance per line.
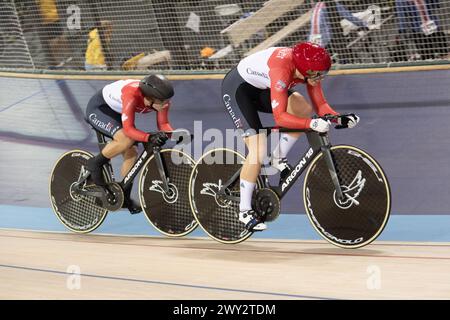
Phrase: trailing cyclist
x=112 y=112
x=263 y=82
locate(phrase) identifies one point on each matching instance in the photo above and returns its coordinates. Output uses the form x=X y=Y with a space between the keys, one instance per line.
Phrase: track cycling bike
x=346 y=194
x=81 y=206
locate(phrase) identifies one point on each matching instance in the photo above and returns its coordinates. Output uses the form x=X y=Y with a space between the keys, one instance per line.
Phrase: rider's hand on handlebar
x=347 y=121
x=320 y=125
x=158 y=139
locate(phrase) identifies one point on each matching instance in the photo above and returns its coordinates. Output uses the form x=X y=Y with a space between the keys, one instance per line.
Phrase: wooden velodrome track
x=39 y=265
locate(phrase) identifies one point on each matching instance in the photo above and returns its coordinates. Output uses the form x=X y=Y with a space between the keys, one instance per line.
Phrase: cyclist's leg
x=257 y=149
x=257 y=146
x=105 y=120
x=120 y=144
x=129 y=158
x=239 y=98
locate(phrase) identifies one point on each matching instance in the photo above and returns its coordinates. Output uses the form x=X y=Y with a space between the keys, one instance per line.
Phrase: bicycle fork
x=161 y=171
x=325 y=147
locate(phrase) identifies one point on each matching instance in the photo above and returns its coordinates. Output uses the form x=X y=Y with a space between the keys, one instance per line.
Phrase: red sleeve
x=162 y=119
x=129 y=103
x=318 y=100
x=279 y=95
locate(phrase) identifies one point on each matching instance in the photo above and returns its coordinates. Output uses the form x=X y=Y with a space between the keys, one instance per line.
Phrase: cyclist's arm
x=320 y=105
x=162 y=120
x=128 y=111
x=279 y=96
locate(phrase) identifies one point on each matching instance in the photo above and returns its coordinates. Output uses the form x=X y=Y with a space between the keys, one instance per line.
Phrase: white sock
x=283 y=147
x=246 y=195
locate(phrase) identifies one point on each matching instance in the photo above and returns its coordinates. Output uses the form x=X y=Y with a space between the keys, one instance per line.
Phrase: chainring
x=115 y=201
x=266 y=203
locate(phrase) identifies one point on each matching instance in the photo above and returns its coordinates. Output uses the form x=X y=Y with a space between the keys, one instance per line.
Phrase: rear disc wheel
x=215 y=213
x=78 y=213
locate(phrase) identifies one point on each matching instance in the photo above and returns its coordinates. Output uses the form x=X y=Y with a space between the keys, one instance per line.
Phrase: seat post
x=101 y=140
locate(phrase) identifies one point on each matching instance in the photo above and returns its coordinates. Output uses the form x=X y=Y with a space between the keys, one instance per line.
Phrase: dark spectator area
x=214 y=35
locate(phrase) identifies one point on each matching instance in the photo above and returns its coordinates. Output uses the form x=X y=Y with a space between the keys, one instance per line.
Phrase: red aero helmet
x=310 y=56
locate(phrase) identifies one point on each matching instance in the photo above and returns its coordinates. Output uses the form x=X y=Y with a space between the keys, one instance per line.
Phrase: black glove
x=158 y=139
x=347 y=121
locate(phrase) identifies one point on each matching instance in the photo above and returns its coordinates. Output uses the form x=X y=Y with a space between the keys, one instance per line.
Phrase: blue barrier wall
x=404 y=125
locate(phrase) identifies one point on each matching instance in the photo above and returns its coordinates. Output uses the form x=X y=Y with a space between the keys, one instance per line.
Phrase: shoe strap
x=252 y=223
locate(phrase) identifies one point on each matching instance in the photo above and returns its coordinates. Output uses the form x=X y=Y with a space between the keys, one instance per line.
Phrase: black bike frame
x=318 y=142
x=139 y=163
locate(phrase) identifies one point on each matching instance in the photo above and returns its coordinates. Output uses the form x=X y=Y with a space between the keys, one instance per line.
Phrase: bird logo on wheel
x=212 y=189
x=171 y=196
x=351 y=192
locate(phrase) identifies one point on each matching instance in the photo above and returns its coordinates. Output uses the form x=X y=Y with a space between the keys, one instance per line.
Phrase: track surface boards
x=34 y=265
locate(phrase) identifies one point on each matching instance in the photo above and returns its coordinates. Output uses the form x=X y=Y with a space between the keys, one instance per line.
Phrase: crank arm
x=91 y=193
x=231 y=198
x=230 y=181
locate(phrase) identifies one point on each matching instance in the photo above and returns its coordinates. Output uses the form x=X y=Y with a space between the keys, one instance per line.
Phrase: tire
x=218 y=218
x=77 y=213
x=169 y=214
x=359 y=219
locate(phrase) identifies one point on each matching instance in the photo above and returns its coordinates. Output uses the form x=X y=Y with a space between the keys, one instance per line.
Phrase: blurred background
x=214 y=35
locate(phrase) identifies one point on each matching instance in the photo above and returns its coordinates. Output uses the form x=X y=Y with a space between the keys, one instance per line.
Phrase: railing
x=192 y=37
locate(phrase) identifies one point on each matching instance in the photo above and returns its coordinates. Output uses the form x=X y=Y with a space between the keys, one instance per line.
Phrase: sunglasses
x=316 y=75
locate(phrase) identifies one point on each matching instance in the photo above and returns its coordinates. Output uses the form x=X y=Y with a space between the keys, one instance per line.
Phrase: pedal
x=91 y=191
x=266 y=203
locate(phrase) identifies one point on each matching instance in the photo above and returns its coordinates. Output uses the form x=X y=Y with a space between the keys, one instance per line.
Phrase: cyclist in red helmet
x=263 y=82
x=311 y=60
x=112 y=110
